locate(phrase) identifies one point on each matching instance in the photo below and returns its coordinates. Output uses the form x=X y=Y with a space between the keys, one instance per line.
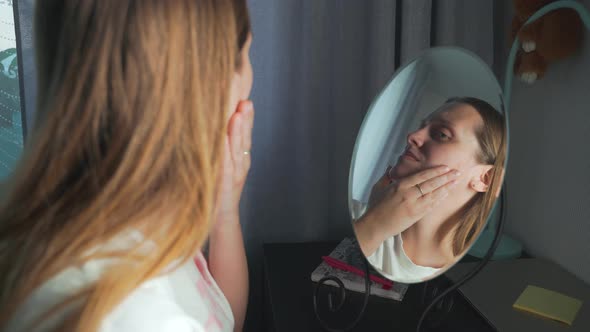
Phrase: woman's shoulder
x=150 y=308
x=181 y=300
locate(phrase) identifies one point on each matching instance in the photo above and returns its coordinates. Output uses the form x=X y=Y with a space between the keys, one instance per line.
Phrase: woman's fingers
x=438 y=194
x=380 y=185
x=235 y=136
x=422 y=176
x=247 y=134
x=386 y=179
x=433 y=184
x=247 y=109
x=251 y=122
x=383 y=181
x=240 y=139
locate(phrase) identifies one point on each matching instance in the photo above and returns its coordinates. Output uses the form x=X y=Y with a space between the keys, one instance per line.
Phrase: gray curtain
x=317 y=66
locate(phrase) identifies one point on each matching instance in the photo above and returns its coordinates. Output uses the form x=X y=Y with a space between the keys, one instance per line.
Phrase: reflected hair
x=491 y=136
x=129 y=130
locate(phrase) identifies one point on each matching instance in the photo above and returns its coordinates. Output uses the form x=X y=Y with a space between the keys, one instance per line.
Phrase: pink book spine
x=338 y=264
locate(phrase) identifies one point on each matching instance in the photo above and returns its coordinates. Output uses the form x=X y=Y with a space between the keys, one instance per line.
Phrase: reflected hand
x=396 y=205
x=380 y=187
x=236 y=162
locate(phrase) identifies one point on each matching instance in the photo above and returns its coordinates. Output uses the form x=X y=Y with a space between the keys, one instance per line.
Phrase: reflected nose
x=417 y=137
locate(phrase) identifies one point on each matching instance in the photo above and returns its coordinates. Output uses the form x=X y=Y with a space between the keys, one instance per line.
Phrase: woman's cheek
x=234 y=98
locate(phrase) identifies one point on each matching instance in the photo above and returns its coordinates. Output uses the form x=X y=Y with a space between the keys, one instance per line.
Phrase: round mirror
x=428 y=165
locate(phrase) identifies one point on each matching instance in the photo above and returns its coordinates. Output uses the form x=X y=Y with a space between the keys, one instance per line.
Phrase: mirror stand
x=495 y=243
x=488 y=246
x=334 y=308
x=509 y=248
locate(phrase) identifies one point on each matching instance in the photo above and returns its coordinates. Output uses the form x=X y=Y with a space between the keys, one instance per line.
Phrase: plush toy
x=554 y=36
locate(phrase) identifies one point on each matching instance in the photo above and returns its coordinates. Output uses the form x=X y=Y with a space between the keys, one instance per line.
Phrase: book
x=347 y=263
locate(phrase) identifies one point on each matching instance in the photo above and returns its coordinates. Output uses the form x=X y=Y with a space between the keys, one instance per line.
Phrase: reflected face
x=444 y=138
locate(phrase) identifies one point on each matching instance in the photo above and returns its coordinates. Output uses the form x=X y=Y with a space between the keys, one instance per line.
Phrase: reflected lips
x=410 y=155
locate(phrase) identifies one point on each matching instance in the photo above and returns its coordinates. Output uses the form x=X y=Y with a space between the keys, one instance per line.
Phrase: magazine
x=346 y=263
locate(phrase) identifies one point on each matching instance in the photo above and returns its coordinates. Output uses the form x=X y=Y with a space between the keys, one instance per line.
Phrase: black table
x=288 y=298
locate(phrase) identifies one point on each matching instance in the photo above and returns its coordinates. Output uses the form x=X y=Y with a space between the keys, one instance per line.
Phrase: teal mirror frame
x=508 y=248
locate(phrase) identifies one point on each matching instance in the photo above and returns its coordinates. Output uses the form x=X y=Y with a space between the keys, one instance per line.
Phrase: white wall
x=549 y=163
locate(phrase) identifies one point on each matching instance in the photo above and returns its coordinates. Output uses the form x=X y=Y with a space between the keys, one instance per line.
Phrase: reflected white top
x=184 y=300
x=391 y=260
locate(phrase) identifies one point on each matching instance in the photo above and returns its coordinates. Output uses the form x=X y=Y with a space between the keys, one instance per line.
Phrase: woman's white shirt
x=188 y=299
x=391 y=260
x=184 y=300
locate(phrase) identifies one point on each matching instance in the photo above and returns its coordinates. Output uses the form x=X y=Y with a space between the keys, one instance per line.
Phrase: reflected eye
x=439 y=134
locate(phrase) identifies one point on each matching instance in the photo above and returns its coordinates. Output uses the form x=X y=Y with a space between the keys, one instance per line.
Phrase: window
x=11 y=124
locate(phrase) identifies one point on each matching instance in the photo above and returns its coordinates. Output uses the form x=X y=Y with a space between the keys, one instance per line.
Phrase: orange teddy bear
x=554 y=36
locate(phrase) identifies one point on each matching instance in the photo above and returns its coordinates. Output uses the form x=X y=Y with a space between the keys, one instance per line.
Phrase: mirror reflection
x=432 y=189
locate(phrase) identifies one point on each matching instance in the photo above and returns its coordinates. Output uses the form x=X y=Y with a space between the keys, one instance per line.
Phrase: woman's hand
x=227 y=256
x=379 y=188
x=396 y=205
x=236 y=162
x=402 y=203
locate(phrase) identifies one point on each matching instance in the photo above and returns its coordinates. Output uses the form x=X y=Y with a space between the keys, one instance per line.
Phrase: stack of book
x=347 y=263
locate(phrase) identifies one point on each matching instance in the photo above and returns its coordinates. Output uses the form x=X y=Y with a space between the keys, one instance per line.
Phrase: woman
x=139 y=155
x=428 y=209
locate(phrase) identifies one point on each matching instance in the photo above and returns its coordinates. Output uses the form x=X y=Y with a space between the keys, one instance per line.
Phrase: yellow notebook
x=549 y=304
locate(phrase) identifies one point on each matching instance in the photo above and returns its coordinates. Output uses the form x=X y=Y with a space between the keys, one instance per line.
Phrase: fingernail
x=249 y=106
x=446 y=169
x=456 y=173
x=454 y=183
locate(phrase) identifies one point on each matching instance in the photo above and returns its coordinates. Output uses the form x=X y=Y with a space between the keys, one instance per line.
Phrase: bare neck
x=429 y=242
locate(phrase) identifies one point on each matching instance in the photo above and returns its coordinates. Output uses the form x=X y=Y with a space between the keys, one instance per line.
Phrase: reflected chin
x=405 y=168
x=399 y=171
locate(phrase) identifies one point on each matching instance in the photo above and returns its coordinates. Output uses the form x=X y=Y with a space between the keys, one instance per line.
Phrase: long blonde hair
x=132 y=97
x=491 y=137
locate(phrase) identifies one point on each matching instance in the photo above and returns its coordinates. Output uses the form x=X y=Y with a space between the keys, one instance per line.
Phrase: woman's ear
x=482 y=181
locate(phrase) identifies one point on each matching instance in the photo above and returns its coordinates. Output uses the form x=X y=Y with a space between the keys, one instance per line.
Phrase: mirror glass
x=428 y=165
